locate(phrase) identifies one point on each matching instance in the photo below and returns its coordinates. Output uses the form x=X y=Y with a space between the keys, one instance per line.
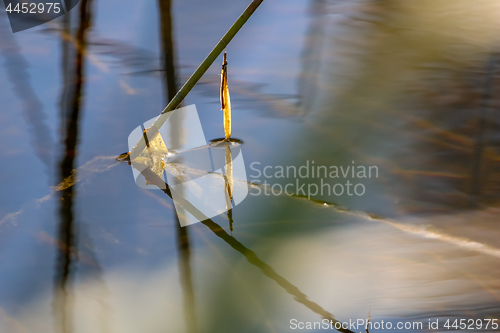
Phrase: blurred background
x=411 y=87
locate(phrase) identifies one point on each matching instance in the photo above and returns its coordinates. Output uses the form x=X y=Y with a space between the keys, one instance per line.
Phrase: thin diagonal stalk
x=195 y=77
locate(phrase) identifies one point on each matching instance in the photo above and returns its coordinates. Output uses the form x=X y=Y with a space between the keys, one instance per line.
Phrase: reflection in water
x=482 y=139
x=254 y=97
x=66 y=55
x=251 y=257
x=416 y=98
x=458 y=165
x=71 y=107
x=96 y=165
x=228 y=179
x=423 y=231
x=17 y=71
x=396 y=84
x=392 y=99
x=216 y=142
x=177 y=138
x=310 y=82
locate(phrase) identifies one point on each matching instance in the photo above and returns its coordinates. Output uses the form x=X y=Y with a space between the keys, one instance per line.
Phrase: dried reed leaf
x=224 y=99
x=228 y=177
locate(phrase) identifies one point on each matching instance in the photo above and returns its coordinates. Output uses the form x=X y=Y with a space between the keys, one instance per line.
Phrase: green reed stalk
x=195 y=77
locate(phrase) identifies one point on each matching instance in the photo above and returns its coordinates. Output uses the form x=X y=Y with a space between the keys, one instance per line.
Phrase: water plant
x=193 y=79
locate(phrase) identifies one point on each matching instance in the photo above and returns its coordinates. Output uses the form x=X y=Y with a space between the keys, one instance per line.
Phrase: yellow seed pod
x=225 y=102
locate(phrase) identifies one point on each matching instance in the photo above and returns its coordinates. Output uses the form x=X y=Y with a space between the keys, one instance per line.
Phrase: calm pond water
x=393 y=105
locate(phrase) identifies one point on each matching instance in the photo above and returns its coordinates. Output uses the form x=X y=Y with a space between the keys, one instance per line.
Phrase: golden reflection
x=156 y=151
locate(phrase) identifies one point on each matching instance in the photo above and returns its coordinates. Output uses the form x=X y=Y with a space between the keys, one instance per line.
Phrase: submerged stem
x=225 y=102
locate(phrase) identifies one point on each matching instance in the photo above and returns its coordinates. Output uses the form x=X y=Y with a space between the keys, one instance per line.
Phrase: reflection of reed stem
x=225 y=102
x=170 y=88
x=196 y=76
x=65 y=66
x=62 y=303
x=228 y=179
x=249 y=254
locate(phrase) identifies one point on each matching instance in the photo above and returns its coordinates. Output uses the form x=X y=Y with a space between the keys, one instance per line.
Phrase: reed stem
x=195 y=77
